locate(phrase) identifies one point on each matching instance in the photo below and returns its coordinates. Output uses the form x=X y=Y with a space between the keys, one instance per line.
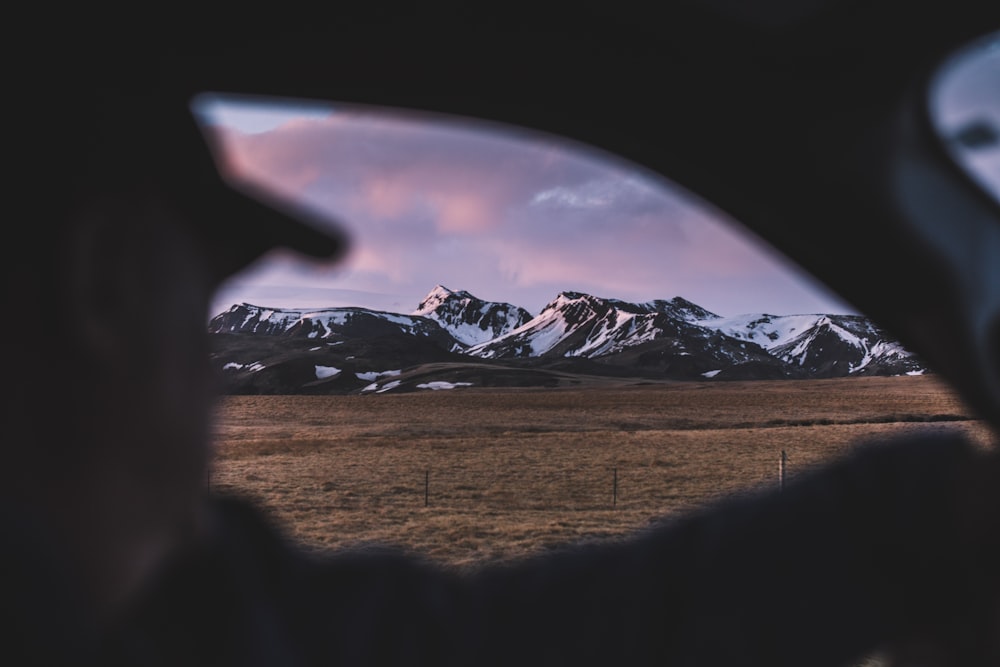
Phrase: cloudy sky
x=506 y=214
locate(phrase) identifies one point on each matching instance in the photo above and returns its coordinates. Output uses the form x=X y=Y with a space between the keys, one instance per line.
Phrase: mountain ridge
x=460 y=334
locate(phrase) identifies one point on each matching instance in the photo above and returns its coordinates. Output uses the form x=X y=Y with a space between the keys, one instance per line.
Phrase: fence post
x=782 y=463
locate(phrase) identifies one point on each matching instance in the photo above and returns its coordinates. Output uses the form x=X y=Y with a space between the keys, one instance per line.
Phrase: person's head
x=117 y=256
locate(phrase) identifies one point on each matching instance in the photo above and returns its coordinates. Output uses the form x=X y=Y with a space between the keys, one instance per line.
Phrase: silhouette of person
x=114 y=554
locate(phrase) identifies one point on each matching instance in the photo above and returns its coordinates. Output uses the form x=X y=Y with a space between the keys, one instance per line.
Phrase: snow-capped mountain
x=581 y=325
x=656 y=337
x=469 y=320
x=822 y=345
x=453 y=337
x=246 y=318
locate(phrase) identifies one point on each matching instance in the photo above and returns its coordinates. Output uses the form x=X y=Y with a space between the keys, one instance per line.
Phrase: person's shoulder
x=238 y=529
x=358 y=604
x=241 y=531
x=223 y=601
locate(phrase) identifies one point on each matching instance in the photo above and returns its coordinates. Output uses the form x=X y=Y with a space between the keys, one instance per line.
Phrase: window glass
x=530 y=342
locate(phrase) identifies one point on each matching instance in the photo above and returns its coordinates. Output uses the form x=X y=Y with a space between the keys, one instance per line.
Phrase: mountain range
x=454 y=339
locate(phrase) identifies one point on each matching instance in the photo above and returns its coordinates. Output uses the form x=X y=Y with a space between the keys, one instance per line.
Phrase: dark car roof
x=788 y=115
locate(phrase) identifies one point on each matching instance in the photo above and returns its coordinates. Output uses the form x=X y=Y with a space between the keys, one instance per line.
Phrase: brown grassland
x=507 y=472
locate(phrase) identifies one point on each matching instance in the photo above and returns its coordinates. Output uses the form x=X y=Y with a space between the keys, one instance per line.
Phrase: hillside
x=453 y=339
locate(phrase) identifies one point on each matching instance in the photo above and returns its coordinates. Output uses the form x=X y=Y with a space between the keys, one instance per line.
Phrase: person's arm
x=871 y=549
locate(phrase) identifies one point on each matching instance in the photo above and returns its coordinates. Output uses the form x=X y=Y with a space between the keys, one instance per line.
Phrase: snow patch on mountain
x=369 y=376
x=438 y=385
x=388 y=386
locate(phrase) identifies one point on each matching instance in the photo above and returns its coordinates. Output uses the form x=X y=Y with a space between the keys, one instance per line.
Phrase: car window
x=530 y=342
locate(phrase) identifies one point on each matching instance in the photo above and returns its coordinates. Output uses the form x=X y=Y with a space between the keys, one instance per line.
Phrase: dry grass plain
x=509 y=472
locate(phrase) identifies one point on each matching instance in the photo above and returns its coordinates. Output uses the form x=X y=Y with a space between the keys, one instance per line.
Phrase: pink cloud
x=431 y=204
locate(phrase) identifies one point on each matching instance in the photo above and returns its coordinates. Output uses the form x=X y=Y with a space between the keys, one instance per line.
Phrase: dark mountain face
x=681 y=309
x=355 y=350
x=253 y=364
x=699 y=355
x=321 y=324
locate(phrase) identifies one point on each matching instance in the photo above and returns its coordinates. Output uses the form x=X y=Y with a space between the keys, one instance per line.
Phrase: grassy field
x=474 y=475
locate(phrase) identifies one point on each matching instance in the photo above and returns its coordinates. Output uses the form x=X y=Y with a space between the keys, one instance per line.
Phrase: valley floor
x=469 y=476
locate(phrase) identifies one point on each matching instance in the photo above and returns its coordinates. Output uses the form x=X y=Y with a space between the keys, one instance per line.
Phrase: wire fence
x=564 y=486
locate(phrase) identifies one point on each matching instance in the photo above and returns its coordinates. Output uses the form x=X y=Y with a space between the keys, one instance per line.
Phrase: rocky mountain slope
x=454 y=339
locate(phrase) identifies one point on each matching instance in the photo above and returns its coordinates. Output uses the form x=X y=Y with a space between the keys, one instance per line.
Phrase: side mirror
x=964 y=107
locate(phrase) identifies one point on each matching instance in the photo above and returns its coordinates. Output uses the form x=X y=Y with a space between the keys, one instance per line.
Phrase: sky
x=504 y=213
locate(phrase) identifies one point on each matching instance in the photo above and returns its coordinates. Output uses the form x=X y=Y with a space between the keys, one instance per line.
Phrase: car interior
x=859 y=140
x=814 y=128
